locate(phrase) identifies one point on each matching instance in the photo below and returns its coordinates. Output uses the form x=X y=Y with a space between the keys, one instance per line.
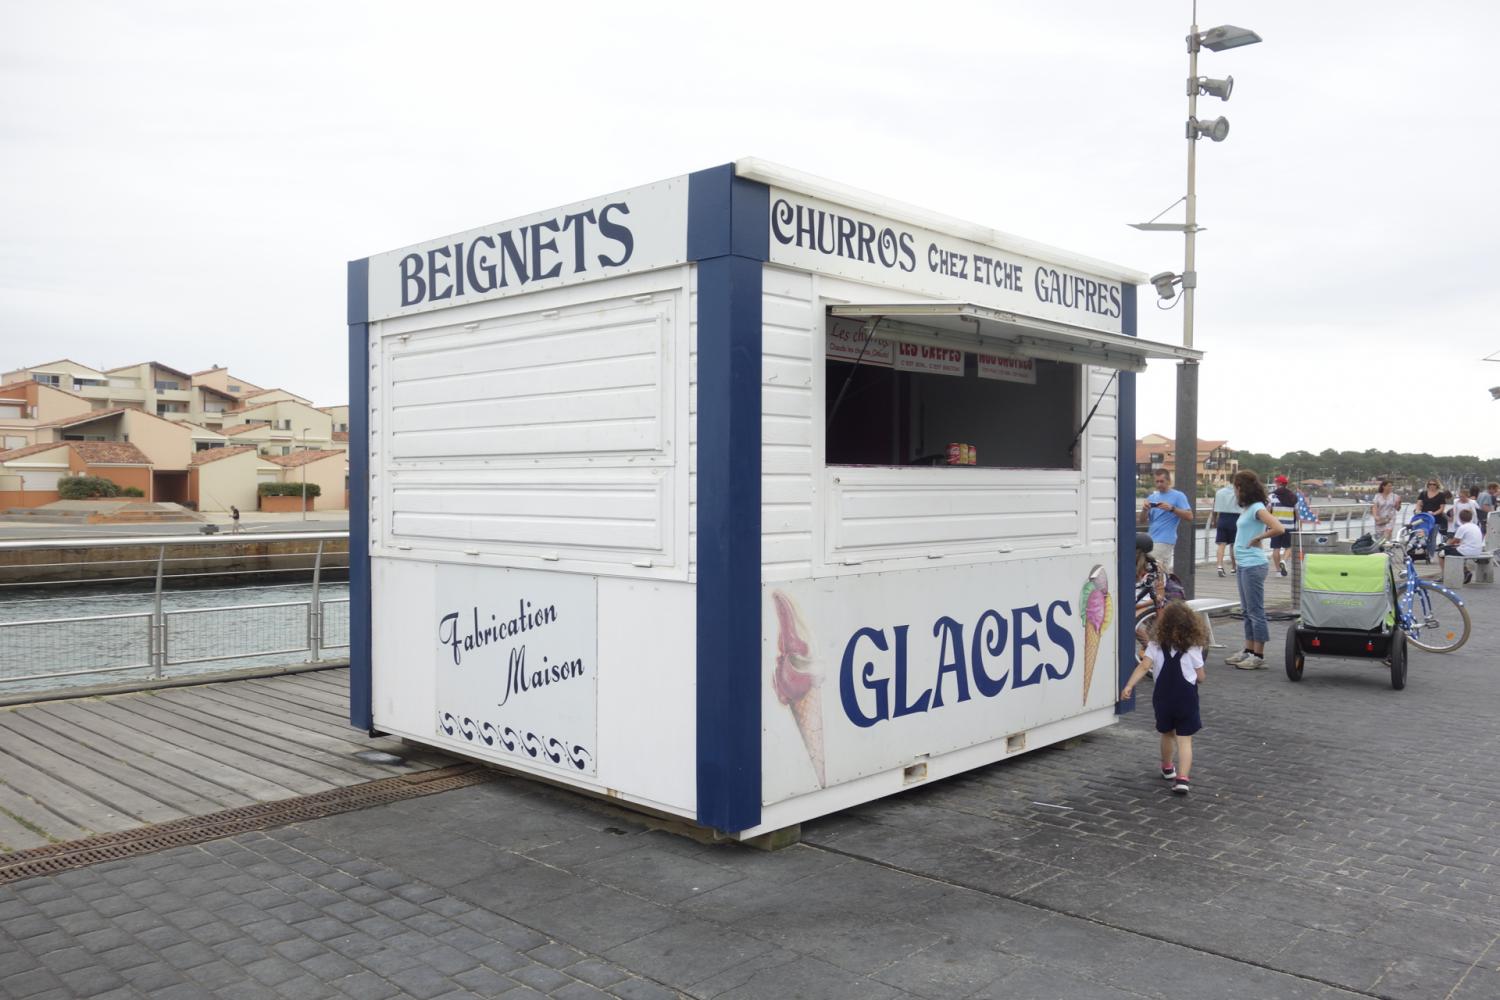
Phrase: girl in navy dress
x=1174 y=659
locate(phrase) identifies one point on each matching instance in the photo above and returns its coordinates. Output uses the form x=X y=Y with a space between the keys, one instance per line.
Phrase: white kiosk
x=743 y=497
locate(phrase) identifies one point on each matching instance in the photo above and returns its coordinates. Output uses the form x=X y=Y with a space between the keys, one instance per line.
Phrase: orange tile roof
x=46 y=364
x=298 y=458
x=31 y=449
x=109 y=452
x=214 y=454
x=249 y=425
x=84 y=418
x=154 y=364
x=341 y=435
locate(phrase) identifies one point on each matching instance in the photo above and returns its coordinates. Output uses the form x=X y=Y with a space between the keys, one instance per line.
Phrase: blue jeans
x=1252 y=584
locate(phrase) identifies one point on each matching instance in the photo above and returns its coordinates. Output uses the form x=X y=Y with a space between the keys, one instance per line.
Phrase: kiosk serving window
x=915 y=401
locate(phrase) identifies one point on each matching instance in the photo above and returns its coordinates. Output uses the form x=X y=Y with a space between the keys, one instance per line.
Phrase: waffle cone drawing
x=796 y=684
x=808 y=711
x=1096 y=609
x=1090 y=654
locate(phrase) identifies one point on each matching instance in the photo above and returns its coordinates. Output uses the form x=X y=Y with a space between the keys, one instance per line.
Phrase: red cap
x=1281 y=480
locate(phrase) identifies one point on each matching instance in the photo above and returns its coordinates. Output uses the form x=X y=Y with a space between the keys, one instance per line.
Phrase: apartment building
x=169 y=417
x=229 y=385
x=25 y=405
x=1216 y=462
x=280 y=427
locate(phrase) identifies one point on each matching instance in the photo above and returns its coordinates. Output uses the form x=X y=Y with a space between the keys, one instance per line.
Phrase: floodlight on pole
x=1225 y=36
x=1212 y=88
x=1217 y=130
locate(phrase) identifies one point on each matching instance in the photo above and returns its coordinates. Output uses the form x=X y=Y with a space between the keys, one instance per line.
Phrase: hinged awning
x=978 y=328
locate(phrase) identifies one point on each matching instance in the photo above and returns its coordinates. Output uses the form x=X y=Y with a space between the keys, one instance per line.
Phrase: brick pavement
x=1340 y=840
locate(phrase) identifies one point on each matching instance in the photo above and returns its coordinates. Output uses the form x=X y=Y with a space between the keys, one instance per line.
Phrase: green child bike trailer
x=1348 y=609
x=1350 y=592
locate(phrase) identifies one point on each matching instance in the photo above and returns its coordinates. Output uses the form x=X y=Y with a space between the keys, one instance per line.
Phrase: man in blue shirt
x=1165 y=509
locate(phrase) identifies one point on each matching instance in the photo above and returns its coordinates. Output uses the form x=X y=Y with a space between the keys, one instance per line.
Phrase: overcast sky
x=187 y=180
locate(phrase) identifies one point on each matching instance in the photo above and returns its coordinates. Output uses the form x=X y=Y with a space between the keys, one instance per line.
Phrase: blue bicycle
x=1432 y=616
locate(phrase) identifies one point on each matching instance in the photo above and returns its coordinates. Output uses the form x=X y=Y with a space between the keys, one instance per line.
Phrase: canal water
x=81 y=635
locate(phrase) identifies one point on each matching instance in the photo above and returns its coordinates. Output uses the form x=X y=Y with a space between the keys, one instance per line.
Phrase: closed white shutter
x=39 y=479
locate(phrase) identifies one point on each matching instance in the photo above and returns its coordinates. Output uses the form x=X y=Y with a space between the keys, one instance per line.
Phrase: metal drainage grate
x=54 y=858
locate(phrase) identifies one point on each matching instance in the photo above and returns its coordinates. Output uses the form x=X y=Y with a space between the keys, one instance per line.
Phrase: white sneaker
x=1252 y=662
x=1234 y=659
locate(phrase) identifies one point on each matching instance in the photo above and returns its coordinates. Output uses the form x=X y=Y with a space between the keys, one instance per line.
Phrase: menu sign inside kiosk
x=848 y=341
x=1007 y=369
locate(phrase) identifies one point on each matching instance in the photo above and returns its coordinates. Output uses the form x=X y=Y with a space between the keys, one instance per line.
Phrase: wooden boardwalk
x=1210 y=584
x=71 y=769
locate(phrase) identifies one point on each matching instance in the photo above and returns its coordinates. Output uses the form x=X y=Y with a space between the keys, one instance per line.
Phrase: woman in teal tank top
x=1254 y=526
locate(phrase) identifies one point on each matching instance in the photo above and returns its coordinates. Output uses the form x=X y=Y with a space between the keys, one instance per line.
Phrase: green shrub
x=132 y=491
x=288 y=490
x=86 y=487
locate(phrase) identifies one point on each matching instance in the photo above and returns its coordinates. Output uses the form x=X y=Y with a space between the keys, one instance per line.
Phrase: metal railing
x=1343 y=520
x=161 y=642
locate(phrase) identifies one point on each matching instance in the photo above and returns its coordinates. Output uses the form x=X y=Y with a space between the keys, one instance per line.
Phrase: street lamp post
x=1186 y=458
x=303 y=458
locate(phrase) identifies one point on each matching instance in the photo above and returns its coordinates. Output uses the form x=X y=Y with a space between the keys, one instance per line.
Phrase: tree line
x=1405 y=469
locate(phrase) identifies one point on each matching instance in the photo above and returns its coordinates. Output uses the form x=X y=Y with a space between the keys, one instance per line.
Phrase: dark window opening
x=892 y=417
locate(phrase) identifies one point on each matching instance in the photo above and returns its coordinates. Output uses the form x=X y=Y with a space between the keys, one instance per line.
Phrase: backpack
x=1174 y=590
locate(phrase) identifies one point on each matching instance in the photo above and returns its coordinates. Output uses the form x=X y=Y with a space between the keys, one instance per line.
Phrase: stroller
x=1348 y=609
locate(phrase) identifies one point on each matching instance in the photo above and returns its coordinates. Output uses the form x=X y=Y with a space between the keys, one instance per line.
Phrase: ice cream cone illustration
x=795 y=682
x=1097 y=608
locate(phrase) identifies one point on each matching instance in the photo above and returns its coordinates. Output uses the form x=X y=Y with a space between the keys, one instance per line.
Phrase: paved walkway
x=1340 y=840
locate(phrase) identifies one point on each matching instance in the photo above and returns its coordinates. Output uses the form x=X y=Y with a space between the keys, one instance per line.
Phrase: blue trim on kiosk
x=728 y=239
x=1125 y=489
x=361 y=714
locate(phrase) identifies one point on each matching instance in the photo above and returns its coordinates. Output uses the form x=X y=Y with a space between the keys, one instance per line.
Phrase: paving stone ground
x=1342 y=839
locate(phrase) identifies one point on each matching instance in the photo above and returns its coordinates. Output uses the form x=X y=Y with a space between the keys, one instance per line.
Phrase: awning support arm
x=1113 y=372
x=868 y=330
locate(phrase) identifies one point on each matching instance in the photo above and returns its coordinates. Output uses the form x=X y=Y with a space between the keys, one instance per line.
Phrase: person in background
x=1387 y=504
x=1465 y=502
x=234 y=514
x=1165 y=509
x=1281 y=544
x=1486 y=500
x=1226 y=513
x=1466 y=540
x=1434 y=501
x=1255 y=524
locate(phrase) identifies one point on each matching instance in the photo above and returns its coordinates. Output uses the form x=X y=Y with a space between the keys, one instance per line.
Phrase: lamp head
x=1226 y=36
x=1495 y=392
x=1163 y=283
x=1212 y=88
x=1217 y=130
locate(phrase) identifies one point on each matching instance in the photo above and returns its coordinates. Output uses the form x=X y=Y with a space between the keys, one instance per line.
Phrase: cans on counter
x=962 y=454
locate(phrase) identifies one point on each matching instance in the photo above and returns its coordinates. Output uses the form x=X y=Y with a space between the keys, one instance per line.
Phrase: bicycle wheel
x=1440 y=624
